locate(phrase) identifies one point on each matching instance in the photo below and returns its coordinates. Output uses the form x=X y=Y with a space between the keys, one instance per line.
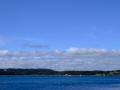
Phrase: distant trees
x=52 y=72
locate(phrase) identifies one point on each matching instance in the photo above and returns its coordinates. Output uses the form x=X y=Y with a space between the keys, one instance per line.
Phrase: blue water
x=59 y=83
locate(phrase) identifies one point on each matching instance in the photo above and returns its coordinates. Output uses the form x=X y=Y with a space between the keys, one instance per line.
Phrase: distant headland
x=62 y=73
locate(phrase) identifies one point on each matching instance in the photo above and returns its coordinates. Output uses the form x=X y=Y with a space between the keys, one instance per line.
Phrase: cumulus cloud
x=69 y=59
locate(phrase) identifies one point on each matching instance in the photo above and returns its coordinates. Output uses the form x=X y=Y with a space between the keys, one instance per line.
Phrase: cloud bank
x=69 y=59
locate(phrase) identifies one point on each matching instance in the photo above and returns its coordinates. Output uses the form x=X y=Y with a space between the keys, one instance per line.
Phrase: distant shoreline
x=60 y=75
x=49 y=72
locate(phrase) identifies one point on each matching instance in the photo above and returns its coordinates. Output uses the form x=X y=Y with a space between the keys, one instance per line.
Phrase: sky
x=57 y=26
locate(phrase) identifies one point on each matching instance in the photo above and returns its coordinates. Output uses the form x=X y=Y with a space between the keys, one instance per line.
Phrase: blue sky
x=59 y=24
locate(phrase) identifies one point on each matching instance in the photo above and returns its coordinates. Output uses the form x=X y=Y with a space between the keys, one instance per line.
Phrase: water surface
x=59 y=83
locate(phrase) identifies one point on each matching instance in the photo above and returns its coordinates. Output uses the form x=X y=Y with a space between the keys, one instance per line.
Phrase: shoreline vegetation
x=49 y=72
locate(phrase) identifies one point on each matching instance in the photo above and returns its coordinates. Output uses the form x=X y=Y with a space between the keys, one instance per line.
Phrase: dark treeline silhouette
x=52 y=72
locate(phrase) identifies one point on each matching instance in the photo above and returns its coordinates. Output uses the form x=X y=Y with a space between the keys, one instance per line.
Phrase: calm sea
x=59 y=83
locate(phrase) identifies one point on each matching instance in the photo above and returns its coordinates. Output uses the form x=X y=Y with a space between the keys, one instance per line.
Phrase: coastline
x=49 y=72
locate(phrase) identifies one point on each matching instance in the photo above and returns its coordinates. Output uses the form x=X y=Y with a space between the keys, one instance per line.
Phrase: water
x=59 y=83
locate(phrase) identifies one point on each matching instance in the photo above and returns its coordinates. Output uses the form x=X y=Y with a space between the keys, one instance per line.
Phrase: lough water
x=59 y=83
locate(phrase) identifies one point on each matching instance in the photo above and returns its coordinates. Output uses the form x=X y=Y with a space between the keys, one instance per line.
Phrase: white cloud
x=69 y=59
x=84 y=50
